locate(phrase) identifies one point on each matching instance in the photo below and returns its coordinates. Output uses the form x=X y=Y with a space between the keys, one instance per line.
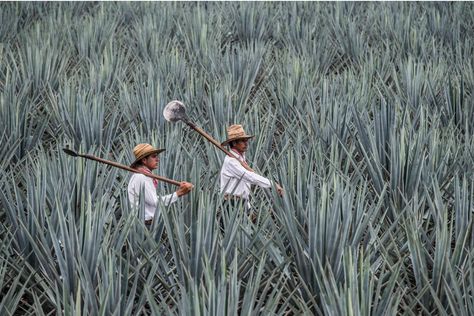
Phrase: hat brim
x=156 y=151
x=236 y=138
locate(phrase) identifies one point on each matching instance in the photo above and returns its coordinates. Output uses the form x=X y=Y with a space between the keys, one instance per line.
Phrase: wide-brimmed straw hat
x=143 y=150
x=236 y=132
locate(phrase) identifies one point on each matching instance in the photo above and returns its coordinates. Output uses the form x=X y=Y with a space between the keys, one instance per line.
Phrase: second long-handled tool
x=115 y=164
x=175 y=111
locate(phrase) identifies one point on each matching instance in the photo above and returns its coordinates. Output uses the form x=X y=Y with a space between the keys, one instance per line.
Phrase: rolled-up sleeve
x=141 y=182
x=170 y=198
x=151 y=198
x=239 y=172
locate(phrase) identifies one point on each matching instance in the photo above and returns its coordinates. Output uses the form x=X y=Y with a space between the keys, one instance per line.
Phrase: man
x=236 y=176
x=146 y=160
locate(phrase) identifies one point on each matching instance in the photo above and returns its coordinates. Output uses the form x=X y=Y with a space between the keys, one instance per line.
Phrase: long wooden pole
x=214 y=142
x=118 y=165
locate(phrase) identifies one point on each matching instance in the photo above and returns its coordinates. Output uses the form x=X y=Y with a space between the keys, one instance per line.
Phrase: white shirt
x=236 y=180
x=140 y=182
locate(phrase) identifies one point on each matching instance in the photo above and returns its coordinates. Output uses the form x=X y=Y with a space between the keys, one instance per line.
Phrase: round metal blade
x=174 y=111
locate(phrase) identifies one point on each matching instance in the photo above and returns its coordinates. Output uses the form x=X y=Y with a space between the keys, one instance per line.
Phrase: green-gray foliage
x=363 y=112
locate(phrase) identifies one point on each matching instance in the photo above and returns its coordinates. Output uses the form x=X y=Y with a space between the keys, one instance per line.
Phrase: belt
x=229 y=197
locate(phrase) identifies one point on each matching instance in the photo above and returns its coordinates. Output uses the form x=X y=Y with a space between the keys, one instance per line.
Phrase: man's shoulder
x=231 y=161
x=138 y=177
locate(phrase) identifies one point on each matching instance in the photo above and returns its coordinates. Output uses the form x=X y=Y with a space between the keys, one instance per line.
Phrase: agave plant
x=361 y=111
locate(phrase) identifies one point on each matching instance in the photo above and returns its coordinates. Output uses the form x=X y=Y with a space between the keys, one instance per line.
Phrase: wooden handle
x=115 y=164
x=218 y=145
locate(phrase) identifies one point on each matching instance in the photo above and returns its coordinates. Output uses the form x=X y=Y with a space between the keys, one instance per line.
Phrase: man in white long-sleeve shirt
x=236 y=176
x=146 y=160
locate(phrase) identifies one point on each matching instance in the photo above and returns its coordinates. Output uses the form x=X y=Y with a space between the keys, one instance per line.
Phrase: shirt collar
x=144 y=169
x=237 y=155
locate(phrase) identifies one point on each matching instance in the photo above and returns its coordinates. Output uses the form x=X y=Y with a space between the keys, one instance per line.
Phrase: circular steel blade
x=174 y=111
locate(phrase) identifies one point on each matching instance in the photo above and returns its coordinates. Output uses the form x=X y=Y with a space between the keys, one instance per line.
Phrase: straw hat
x=236 y=132
x=143 y=150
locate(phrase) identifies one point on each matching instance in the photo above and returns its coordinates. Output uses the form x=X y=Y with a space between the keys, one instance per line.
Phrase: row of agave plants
x=363 y=112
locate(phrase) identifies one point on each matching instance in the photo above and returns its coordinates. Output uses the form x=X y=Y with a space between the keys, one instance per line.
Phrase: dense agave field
x=363 y=112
